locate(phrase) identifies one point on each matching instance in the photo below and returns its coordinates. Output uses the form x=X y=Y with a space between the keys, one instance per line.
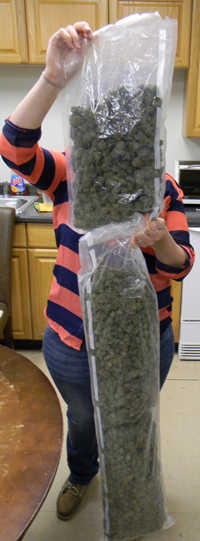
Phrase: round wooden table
x=31 y=430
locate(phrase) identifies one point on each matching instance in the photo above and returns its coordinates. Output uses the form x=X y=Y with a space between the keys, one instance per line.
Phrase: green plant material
x=126 y=338
x=113 y=157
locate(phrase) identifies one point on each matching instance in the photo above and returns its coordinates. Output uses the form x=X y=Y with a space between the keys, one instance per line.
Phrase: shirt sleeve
x=177 y=225
x=22 y=153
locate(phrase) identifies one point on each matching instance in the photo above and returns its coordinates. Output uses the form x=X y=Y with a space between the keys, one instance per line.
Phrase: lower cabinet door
x=176 y=308
x=41 y=263
x=21 y=311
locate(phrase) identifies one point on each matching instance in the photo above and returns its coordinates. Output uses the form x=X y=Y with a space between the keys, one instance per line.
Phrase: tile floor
x=180 y=445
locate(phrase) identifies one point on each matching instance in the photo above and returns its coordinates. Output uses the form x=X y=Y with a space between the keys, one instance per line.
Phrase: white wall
x=178 y=146
x=15 y=81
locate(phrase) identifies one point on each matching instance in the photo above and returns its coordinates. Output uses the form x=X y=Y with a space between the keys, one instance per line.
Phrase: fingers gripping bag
x=120 y=315
x=113 y=120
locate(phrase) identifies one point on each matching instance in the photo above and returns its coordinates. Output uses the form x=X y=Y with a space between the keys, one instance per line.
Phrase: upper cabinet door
x=175 y=9
x=13 y=37
x=191 y=120
x=44 y=17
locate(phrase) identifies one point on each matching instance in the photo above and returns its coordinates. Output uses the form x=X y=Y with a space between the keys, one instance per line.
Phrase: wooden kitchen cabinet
x=176 y=308
x=44 y=17
x=21 y=311
x=175 y=9
x=13 y=32
x=26 y=25
x=41 y=264
x=42 y=253
x=191 y=120
x=34 y=256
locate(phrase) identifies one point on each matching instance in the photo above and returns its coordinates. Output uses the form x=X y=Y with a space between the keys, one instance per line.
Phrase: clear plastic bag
x=113 y=116
x=120 y=315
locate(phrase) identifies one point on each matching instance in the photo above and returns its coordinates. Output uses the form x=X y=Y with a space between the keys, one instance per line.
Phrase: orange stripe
x=65 y=298
x=18 y=155
x=60 y=214
x=174 y=276
x=164 y=314
x=176 y=220
x=68 y=259
x=159 y=283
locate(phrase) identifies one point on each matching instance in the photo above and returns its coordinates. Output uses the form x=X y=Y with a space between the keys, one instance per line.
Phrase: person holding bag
x=165 y=244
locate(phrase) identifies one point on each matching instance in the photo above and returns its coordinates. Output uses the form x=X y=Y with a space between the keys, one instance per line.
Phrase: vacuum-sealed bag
x=114 y=112
x=121 y=325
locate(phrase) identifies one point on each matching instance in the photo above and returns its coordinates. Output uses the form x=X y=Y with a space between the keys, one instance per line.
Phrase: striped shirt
x=46 y=169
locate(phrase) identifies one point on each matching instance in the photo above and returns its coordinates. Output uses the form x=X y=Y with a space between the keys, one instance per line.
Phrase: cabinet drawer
x=40 y=236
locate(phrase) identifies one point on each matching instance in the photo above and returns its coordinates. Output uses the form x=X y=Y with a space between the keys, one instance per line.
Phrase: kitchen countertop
x=30 y=215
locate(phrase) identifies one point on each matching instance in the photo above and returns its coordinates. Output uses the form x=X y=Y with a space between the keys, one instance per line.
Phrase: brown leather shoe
x=69 y=499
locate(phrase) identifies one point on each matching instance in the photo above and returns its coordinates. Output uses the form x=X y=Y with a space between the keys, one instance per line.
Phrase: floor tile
x=180 y=396
x=180 y=435
x=182 y=369
x=47 y=527
x=182 y=484
x=86 y=527
x=197 y=368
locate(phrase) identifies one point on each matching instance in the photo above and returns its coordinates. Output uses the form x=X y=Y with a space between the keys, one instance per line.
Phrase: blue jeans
x=167 y=349
x=70 y=371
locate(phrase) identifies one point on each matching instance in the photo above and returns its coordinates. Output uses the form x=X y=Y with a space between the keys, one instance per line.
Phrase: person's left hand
x=154 y=231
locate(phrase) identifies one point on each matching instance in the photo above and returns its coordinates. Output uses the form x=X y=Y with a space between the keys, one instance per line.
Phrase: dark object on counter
x=116 y=157
x=7 y=222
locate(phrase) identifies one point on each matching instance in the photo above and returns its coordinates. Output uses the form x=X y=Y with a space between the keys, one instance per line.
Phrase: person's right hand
x=65 y=52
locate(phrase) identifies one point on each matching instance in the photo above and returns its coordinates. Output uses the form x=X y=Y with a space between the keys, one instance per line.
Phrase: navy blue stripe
x=25 y=168
x=181 y=237
x=172 y=270
x=61 y=193
x=67 y=237
x=66 y=278
x=171 y=189
x=47 y=176
x=18 y=137
x=176 y=206
x=70 y=322
x=151 y=263
x=164 y=298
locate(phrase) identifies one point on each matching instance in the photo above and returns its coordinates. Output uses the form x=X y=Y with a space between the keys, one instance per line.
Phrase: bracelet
x=51 y=82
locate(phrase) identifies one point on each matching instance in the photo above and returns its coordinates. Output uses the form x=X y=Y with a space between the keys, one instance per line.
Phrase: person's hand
x=65 y=52
x=154 y=231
